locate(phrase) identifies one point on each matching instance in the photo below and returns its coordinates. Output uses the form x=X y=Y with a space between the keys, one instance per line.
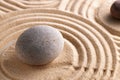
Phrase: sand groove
x=14 y=5
x=103 y=17
x=99 y=15
x=98 y=62
x=91 y=50
x=86 y=8
x=78 y=7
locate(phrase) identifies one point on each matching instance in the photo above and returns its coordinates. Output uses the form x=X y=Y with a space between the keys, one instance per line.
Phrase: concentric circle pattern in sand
x=80 y=7
x=7 y=6
x=89 y=52
x=104 y=18
x=99 y=15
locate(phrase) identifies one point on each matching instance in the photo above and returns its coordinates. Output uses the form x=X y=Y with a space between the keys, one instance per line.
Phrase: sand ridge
x=93 y=51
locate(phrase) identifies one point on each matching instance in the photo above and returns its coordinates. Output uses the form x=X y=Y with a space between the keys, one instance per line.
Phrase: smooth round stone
x=39 y=45
x=115 y=9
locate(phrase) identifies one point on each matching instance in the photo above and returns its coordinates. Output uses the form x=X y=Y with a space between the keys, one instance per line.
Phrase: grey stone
x=39 y=45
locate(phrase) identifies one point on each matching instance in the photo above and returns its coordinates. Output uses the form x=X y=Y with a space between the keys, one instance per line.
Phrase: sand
x=92 y=43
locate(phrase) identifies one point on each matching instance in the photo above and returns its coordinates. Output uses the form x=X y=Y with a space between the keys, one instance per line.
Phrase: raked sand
x=92 y=41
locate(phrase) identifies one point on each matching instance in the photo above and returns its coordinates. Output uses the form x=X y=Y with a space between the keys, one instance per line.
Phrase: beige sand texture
x=15 y=5
x=82 y=7
x=91 y=51
x=103 y=17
